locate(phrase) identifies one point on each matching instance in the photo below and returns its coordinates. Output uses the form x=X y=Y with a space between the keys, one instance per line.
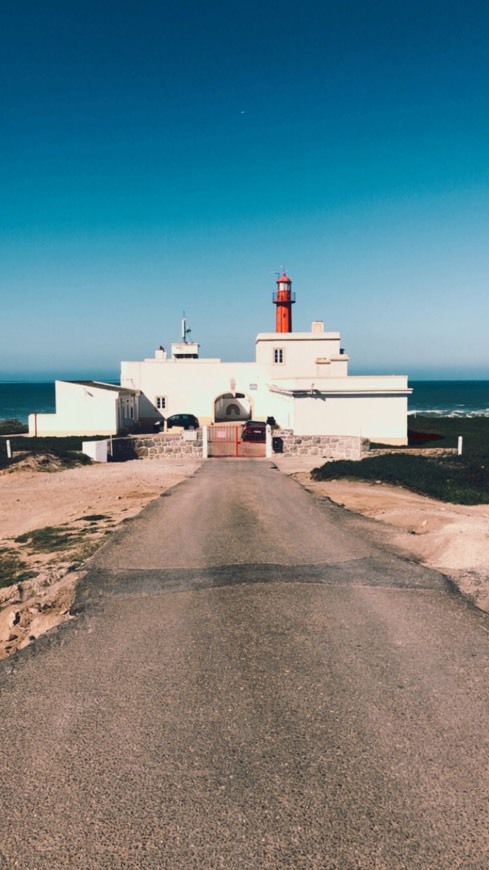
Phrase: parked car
x=254 y=430
x=185 y=421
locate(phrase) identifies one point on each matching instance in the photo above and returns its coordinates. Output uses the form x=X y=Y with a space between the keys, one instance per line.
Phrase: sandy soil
x=81 y=507
x=451 y=538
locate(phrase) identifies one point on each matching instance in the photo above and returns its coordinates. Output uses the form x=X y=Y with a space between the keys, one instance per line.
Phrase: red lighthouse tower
x=284 y=300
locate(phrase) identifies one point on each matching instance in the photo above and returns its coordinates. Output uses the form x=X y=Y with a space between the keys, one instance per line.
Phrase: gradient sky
x=160 y=156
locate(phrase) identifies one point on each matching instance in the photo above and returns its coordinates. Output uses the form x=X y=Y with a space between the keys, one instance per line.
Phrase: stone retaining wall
x=190 y=444
x=324 y=446
x=168 y=444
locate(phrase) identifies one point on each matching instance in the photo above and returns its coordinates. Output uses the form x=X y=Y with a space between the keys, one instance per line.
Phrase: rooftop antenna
x=185 y=330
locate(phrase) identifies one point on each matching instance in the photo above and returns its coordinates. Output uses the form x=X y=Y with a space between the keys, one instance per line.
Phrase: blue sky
x=161 y=156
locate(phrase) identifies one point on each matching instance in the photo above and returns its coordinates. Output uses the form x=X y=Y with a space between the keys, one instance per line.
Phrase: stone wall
x=322 y=446
x=168 y=444
x=190 y=444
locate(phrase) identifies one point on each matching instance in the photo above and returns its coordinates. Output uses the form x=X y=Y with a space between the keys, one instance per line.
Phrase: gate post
x=205 y=442
x=268 y=442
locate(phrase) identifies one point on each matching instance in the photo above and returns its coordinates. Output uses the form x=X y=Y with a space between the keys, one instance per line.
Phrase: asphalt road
x=255 y=680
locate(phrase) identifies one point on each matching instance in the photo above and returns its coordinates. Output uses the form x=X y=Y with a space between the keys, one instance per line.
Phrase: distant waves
x=450 y=398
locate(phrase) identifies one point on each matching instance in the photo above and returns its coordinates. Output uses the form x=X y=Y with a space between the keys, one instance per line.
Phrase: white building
x=88 y=408
x=299 y=378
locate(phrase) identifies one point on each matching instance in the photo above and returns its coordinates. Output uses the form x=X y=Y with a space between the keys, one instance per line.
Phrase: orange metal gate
x=226 y=440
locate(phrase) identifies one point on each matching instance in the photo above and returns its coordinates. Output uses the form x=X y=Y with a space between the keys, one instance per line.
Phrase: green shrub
x=51 y=442
x=450 y=479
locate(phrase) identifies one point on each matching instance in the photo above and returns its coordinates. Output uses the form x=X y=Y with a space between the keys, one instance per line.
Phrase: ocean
x=449 y=398
x=17 y=401
x=430 y=398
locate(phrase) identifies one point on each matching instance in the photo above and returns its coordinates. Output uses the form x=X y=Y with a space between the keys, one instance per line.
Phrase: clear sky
x=163 y=155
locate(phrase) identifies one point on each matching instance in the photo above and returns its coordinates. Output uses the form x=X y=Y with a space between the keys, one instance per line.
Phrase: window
x=278 y=355
x=160 y=402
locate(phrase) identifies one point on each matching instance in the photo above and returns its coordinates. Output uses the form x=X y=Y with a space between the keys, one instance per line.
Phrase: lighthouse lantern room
x=284 y=300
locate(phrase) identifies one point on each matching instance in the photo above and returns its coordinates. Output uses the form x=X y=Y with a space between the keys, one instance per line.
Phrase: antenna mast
x=185 y=330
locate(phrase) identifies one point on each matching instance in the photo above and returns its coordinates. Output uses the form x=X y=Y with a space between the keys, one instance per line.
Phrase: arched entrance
x=232 y=408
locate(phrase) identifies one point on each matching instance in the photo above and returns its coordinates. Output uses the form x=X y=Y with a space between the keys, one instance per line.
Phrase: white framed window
x=160 y=402
x=278 y=355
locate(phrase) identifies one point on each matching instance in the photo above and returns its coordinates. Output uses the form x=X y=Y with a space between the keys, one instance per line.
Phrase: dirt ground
x=452 y=538
x=70 y=512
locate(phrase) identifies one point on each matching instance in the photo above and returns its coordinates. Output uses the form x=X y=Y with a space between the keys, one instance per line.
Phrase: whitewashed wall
x=378 y=418
x=80 y=410
x=301 y=351
x=189 y=386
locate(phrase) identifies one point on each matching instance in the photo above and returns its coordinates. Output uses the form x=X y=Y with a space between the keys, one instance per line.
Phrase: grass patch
x=13 y=569
x=474 y=430
x=51 y=539
x=457 y=479
x=52 y=442
x=452 y=479
x=93 y=518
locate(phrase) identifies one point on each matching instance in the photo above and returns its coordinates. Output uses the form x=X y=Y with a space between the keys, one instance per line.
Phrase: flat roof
x=297 y=336
x=99 y=385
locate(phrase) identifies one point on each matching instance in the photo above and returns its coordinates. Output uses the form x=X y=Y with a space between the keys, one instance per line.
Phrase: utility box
x=96 y=450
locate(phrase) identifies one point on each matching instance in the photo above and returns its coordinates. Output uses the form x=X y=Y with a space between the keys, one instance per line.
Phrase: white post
x=268 y=442
x=9 y=449
x=205 y=442
x=460 y=445
x=111 y=449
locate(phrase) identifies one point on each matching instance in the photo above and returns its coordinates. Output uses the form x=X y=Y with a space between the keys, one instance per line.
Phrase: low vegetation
x=457 y=479
x=51 y=452
x=50 y=539
x=12 y=427
x=66 y=543
x=474 y=431
x=12 y=568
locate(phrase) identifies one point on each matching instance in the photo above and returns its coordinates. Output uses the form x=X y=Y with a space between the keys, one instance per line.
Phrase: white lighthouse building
x=299 y=378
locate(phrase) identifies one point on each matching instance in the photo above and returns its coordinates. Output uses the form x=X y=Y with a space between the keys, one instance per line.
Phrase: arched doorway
x=232 y=408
